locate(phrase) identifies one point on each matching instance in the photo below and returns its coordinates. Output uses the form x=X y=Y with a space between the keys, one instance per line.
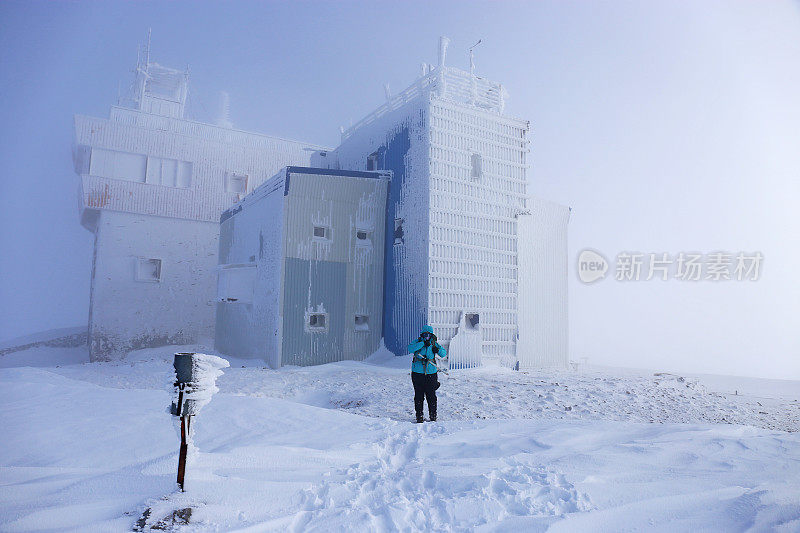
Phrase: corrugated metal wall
x=314 y=286
x=542 y=312
x=339 y=275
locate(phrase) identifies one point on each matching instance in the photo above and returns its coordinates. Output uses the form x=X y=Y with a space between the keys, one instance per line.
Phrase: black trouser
x=425 y=388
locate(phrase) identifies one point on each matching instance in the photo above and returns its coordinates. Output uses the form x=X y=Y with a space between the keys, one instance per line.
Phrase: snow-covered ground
x=89 y=447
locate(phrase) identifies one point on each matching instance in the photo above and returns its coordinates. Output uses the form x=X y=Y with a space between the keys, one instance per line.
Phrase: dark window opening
x=317 y=320
x=398 y=231
x=476 y=166
x=372 y=161
x=362 y=322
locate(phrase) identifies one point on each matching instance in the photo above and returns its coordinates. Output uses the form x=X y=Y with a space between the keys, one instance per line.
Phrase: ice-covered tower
x=152 y=186
x=453 y=242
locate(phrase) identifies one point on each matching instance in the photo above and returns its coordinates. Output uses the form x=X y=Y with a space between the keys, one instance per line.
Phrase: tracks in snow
x=399 y=491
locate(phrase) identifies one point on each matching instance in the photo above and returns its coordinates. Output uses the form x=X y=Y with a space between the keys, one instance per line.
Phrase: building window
x=148 y=269
x=236 y=283
x=236 y=183
x=362 y=323
x=472 y=321
x=322 y=232
x=476 y=170
x=118 y=165
x=398 y=231
x=363 y=237
x=372 y=161
x=169 y=172
x=317 y=322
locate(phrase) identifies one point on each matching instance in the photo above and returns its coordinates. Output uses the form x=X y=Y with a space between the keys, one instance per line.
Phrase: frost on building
x=464 y=239
x=301 y=268
x=152 y=186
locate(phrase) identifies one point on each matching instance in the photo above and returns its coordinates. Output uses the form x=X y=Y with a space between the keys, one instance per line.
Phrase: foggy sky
x=666 y=127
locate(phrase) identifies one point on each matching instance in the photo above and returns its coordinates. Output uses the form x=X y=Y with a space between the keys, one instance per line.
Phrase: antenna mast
x=149 y=33
x=472 y=57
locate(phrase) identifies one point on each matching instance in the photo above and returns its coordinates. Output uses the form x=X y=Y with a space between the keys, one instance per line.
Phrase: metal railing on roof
x=449 y=84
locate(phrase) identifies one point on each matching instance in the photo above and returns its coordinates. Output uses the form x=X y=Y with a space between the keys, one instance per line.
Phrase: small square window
x=317 y=322
x=472 y=320
x=148 y=269
x=363 y=237
x=237 y=183
x=362 y=323
x=322 y=232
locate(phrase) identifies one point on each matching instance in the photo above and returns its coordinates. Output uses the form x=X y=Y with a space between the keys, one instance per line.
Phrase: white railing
x=449 y=84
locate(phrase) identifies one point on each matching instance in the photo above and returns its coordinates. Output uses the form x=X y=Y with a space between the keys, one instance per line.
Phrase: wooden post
x=184 y=450
x=181 y=386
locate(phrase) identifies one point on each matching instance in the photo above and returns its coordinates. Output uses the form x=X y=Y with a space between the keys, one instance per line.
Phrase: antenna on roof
x=149 y=33
x=224 y=117
x=472 y=57
x=443 y=42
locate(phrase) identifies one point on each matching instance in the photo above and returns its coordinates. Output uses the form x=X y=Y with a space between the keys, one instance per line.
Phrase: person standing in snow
x=424 y=375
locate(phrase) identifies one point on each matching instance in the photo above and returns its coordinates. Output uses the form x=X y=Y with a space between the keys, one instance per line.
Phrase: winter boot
x=420 y=420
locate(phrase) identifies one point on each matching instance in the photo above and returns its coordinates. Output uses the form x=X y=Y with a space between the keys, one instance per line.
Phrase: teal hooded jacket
x=425 y=353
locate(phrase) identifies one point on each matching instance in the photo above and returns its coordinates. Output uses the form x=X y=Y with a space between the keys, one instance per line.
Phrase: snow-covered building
x=152 y=187
x=468 y=251
x=301 y=268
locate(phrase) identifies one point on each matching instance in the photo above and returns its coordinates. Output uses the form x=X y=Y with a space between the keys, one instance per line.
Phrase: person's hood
x=427 y=328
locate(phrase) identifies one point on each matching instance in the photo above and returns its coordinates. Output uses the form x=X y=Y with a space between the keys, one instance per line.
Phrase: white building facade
x=152 y=187
x=454 y=236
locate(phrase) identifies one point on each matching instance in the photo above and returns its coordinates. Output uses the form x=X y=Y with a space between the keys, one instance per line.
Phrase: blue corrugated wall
x=412 y=313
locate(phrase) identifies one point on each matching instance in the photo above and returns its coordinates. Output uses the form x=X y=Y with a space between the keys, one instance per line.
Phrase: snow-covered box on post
x=301 y=268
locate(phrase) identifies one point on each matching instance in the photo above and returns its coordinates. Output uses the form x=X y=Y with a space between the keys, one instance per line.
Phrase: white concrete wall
x=542 y=312
x=127 y=314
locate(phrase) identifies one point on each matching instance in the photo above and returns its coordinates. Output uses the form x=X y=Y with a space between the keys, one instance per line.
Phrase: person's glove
x=435 y=349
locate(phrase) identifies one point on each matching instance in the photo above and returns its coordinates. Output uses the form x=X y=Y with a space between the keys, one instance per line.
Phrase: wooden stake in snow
x=195 y=383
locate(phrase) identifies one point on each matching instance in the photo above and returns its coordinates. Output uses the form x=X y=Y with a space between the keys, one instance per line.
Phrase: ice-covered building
x=467 y=250
x=152 y=186
x=301 y=268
